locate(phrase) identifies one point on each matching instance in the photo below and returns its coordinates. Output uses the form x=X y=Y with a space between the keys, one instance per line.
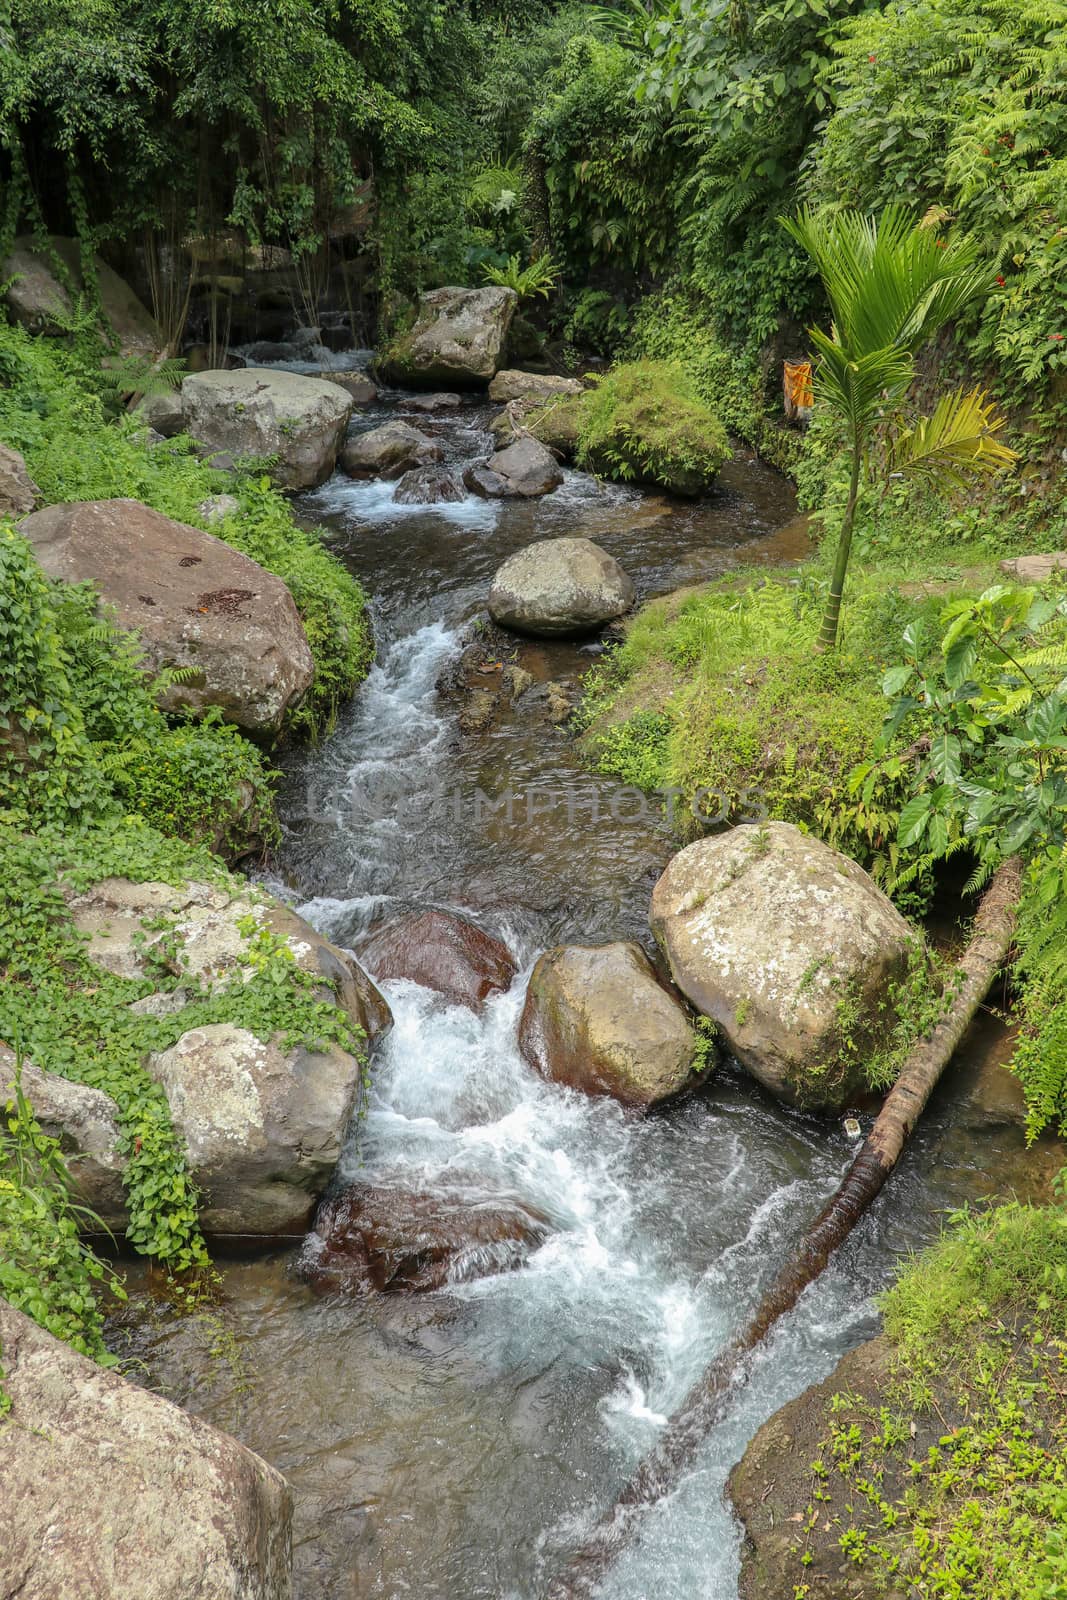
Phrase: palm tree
x=892 y=283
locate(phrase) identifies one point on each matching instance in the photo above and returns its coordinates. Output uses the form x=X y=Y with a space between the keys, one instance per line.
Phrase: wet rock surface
x=397 y=1238
x=775 y=936
x=597 y=1019
x=389 y=452
x=428 y=486
x=442 y=952
x=194 y=602
x=525 y=469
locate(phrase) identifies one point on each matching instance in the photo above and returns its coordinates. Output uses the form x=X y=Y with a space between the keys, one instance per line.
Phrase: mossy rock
x=557 y=423
x=644 y=422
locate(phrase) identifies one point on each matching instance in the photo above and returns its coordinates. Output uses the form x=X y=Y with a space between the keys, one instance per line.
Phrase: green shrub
x=644 y=421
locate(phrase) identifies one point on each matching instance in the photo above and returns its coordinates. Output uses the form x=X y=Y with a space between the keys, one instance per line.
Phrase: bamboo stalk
x=706 y=1402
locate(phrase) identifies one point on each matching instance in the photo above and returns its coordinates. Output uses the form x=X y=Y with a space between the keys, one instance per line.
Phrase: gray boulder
x=559 y=587
x=427 y=486
x=526 y=469
x=86 y=1123
x=515 y=385
x=263 y=1124
x=389 y=452
x=432 y=402
x=217 y=507
x=356 y=385
x=111 y=1491
x=40 y=302
x=791 y=948
x=163 y=412
x=457 y=339
x=18 y=492
x=597 y=1019
x=254 y=412
x=194 y=601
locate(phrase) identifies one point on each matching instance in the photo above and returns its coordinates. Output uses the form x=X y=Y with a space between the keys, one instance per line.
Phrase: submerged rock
x=391 y=1237
x=596 y=1018
x=18 y=492
x=194 y=602
x=388 y=452
x=428 y=486
x=458 y=339
x=526 y=469
x=443 y=952
x=299 y=420
x=559 y=587
x=791 y=948
x=111 y=1491
x=263 y=1122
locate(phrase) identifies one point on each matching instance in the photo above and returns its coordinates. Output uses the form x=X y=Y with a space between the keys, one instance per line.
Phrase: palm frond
x=955 y=443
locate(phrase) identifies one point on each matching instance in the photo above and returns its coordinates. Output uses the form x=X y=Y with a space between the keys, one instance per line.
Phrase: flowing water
x=455 y=1446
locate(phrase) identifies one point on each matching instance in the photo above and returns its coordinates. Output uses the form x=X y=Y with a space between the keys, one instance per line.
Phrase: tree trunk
x=703 y=1407
x=827 y=639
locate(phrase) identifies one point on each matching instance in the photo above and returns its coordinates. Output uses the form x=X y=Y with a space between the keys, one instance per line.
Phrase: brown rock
x=112 y=1493
x=1034 y=569
x=18 y=492
x=195 y=602
x=393 y=1237
x=597 y=1019
x=442 y=952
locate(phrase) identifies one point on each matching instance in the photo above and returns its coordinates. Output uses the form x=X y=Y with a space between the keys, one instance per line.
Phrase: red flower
x=941 y=245
x=872 y=58
x=1057 y=336
x=1000 y=280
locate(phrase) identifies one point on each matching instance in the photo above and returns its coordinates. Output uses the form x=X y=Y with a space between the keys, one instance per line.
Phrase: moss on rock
x=645 y=422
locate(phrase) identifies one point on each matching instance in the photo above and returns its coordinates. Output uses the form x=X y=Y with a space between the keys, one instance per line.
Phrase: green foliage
x=45 y=1270
x=538 y=277
x=891 y=284
x=50 y=410
x=721 y=699
x=645 y=421
x=961 y=105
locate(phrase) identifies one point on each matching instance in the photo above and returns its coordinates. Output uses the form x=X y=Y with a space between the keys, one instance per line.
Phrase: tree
x=892 y=283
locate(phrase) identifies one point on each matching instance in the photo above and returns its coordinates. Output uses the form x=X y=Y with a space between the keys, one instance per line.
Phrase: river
x=456 y=1445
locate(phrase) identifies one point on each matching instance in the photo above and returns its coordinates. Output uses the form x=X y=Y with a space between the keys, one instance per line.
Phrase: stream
x=456 y=1445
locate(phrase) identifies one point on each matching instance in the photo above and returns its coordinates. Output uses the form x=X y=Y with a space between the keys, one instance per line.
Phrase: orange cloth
x=798 y=384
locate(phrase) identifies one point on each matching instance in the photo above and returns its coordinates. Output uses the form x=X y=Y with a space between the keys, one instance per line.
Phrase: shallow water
x=455 y=1446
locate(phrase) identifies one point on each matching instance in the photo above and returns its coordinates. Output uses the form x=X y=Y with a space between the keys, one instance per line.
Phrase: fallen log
x=706 y=1402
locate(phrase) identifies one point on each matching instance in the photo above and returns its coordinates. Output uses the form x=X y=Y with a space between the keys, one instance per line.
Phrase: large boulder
x=18 y=492
x=299 y=420
x=559 y=587
x=263 y=1122
x=40 y=302
x=524 y=470
x=390 y=1236
x=515 y=385
x=113 y=1493
x=457 y=340
x=86 y=1123
x=791 y=948
x=597 y=1019
x=389 y=451
x=195 y=602
x=442 y=952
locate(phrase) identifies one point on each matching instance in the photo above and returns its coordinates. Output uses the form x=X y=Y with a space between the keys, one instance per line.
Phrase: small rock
x=428 y=486
x=482 y=481
x=396 y=1238
x=442 y=952
x=597 y=1019
x=516 y=681
x=389 y=452
x=477 y=714
x=1034 y=569
x=559 y=587
x=163 y=412
x=356 y=385
x=512 y=384
x=526 y=469
x=431 y=402
x=18 y=492
x=217 y=507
